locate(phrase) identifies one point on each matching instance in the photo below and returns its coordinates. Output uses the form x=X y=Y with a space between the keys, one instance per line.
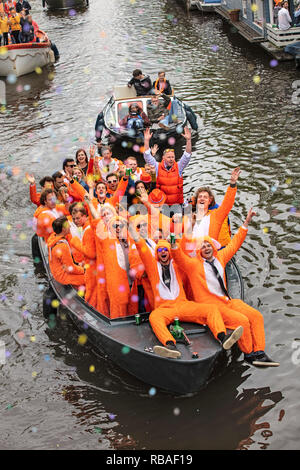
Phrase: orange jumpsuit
x=116 y=274
x=137 y=267
x=206 y=289
x=212 y=222
x=61 y=263
x=172 y=303
x=87 y=247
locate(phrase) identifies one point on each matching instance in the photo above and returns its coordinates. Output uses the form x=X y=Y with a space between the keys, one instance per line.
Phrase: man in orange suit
x=206 y=274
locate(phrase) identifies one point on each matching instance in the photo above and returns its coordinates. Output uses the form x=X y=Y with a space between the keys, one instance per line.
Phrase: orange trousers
x=186 y=311
x=235 y=313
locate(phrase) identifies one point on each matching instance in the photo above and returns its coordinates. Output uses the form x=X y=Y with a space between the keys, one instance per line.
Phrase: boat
x=130 y=346
x=21 y=59
x=65 y=4
x=117 y=108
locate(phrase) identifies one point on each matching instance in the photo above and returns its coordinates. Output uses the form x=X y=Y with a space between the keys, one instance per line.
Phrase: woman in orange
x=61 y=263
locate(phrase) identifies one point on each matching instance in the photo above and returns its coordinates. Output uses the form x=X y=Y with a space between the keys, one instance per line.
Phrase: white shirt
x=284 y=19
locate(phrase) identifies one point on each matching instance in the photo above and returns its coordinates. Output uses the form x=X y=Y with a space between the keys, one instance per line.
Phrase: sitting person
x=206 y=274
x=82 y=160
x=141 y=83
x=100 y=167
x=61 y=263
x=136 y=119
x=157 y=110
x=15 y=26
x=162 y=85
x=47 y=212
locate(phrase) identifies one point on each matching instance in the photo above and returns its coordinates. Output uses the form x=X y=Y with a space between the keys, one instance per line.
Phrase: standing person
x=141 y=83
x=170 y=300
x=61 y=263
x=206 y=274
x=162 y=85
x=4 y=28
x=47 y=212
x=284 y=19
x=169 y=172
x=15 y=26
x=45 y=182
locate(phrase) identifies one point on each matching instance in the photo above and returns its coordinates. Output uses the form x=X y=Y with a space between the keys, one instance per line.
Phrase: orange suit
x=206 y=289
x=172 y=303
x=87 y=247
x=213 y=221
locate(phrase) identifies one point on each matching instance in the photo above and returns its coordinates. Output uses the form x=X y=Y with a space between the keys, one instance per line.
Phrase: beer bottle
x=177 y=330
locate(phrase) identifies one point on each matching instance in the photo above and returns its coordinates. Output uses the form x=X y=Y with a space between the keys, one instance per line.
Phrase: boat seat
x=124 y=92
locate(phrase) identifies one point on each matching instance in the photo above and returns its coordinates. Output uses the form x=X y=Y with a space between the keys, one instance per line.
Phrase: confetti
x=125 y=350
x=256 y=79
x=92 y=368
x=265 y=229
x=152 y=391
x=82 y=339
x=273 y=63
x=176 y=411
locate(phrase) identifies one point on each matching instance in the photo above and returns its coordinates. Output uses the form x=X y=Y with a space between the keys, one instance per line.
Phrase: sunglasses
x=112 y=181
x=169 y=150
x=118 y=226
x=163 y=249
x=71 y=166
x=142 y=225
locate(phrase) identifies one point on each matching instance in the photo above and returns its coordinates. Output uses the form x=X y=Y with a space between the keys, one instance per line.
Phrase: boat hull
x=65 y=4
x=21 y=59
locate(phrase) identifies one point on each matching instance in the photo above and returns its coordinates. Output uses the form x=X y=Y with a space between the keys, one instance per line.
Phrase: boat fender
x=49 y=308
x=55 y=50
x=52 y=56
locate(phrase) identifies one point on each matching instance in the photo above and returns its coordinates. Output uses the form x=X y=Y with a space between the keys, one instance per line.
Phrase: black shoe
x=262 y=360
x=169 y=350
x=232 y=338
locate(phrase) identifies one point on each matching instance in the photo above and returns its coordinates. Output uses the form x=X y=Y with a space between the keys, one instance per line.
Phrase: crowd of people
x=16 y=23
x=126 y=237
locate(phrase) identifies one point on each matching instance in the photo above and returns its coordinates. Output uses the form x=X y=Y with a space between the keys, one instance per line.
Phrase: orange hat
x=157 y=197
x=145 y=177
x=162 y=244
x=214 y=243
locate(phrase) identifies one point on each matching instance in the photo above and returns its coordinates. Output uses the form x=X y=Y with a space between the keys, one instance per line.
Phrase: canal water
x=51 y=397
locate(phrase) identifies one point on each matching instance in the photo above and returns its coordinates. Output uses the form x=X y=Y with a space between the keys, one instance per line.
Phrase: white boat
x=21 y=59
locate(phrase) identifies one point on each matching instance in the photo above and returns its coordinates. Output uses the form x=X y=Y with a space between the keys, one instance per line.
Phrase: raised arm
x=230 y=250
